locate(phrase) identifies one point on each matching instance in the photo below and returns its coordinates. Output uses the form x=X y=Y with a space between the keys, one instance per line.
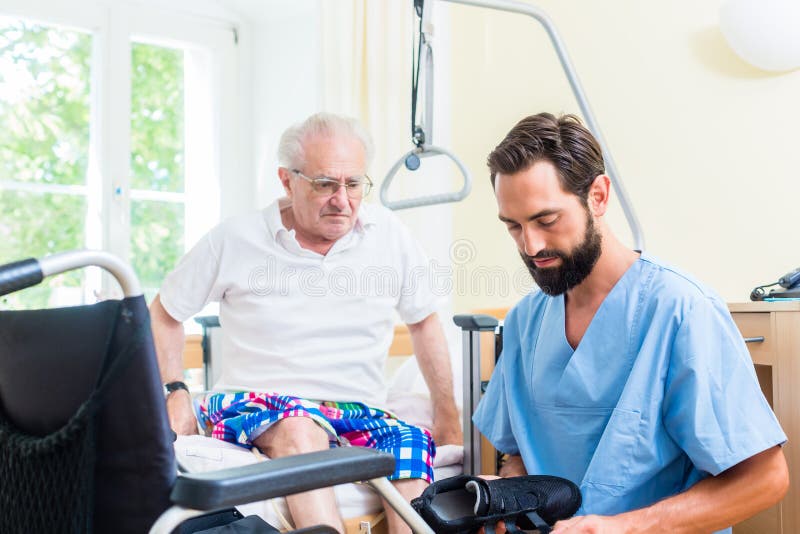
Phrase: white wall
x=282 y=42
x=706 y=144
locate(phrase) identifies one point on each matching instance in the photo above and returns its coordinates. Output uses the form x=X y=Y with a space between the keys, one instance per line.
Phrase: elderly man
x=308 y=289
x=622 y=374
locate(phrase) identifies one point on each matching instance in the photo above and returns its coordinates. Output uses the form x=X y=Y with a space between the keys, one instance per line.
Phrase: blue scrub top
x=660 y=393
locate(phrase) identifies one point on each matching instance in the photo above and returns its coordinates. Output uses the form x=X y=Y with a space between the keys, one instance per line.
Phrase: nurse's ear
x=599 y=193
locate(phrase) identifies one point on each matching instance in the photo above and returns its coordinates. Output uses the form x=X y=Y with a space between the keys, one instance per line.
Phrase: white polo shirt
x=297 y=322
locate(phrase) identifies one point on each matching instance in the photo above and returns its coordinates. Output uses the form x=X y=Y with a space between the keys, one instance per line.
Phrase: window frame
x=114 y=27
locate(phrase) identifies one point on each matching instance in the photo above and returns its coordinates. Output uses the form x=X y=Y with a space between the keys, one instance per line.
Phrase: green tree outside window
x=45 y=84
x=157 y=161
x=44 y=147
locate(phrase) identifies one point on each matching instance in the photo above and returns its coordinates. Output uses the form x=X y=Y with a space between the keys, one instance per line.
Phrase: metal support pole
x=472 y=327
x=580 y=96
x=472 y=384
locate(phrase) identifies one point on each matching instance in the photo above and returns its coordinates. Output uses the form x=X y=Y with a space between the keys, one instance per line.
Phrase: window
x=157 y=170
x=111 y=132
x=44 y=147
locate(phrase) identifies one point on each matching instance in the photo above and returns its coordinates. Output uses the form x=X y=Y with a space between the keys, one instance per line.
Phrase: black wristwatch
x=169 y=387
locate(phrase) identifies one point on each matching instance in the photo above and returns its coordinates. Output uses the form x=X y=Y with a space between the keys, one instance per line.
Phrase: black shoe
x=463 y=504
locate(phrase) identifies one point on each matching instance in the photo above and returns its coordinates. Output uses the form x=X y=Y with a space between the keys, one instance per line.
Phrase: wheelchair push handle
x=26 y=273
x=19 y=275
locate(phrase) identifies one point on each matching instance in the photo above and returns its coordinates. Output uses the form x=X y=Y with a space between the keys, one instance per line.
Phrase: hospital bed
x=84 y=436
x=360 y=506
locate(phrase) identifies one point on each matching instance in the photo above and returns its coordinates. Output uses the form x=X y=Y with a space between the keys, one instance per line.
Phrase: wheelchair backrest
x=51 y=362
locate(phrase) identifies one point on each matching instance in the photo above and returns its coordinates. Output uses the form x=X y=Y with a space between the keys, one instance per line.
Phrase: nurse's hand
x=499 y=528
x=589 y=524
x=513 y=466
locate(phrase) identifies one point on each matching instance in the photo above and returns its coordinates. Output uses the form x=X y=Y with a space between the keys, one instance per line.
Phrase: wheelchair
x=85 y=443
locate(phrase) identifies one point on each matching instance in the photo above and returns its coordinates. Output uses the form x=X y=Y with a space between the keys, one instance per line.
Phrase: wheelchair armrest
x=279 y=477
x=472 y=322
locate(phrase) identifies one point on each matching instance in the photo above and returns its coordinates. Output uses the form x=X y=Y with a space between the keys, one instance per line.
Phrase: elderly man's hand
x=181 y=413
x=447 y=434
x=446 y=426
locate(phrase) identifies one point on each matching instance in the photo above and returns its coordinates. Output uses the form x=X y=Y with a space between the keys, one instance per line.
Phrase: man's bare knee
x=290 y=436
x=410 y=487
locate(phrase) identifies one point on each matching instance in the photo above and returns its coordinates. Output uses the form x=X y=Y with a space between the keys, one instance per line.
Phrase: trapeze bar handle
x=533 y=11
x=440 y=198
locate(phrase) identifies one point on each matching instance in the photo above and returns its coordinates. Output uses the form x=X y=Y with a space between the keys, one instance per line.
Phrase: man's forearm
x=169 y=339
x=716 y=502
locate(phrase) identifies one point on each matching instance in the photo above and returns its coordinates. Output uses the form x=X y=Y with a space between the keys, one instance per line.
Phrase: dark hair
x=562 y=141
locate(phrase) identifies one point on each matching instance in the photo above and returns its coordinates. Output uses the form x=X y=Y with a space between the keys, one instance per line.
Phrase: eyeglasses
x=355 y=186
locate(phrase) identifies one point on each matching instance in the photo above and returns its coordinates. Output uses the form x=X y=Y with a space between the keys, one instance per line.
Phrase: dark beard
x=574 y=268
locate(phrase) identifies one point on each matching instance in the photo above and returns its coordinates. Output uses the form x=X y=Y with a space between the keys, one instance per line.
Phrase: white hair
x=291 y=150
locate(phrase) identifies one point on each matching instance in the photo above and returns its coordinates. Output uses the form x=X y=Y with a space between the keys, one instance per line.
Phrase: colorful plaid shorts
x=240 y=418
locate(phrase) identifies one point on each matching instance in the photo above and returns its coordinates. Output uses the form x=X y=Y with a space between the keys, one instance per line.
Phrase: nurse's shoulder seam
x=678 y=279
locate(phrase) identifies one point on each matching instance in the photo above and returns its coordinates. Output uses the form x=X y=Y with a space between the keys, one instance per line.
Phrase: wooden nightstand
x=773 y=333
